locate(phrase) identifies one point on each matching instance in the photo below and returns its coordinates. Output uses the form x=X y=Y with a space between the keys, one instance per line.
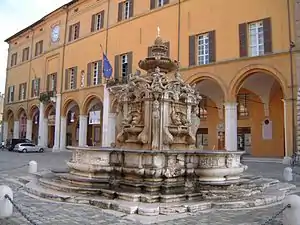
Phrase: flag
x=107 y=69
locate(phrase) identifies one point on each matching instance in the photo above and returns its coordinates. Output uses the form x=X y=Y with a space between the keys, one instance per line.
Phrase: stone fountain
x=155 y=161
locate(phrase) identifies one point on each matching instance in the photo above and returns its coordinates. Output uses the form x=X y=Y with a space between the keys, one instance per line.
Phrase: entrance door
x=244 y=139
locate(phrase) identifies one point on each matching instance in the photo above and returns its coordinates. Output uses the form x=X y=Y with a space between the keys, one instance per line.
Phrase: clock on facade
x=55 y=33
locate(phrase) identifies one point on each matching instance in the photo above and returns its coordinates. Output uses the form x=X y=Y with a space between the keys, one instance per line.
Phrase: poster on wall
x=267 y=129
x=94 y=117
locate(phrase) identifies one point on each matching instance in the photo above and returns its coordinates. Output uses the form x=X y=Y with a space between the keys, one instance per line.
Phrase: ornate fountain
x=155 y=160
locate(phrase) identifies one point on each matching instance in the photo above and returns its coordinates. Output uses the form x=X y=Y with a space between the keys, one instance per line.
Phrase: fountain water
x=155 y=160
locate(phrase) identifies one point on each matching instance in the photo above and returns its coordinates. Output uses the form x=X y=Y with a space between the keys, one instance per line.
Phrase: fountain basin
x=152 y=171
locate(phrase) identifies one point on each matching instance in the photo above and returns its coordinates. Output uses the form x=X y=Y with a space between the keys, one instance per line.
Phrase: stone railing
x=153 y=170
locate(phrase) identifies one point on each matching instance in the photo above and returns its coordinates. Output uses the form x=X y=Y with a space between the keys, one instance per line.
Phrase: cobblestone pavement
x=45 y=212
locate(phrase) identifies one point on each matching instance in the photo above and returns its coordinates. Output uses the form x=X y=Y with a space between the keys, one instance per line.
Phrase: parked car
x=11 y=143
x=28 y=147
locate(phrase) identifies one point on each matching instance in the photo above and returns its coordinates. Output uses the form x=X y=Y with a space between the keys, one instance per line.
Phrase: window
x=97 y=21
x=243 y=106
x=71 y=78
x=256 y=38
x=11 y=94
x=203 y=49
x=51 y=82
x=125 y=10
x=39 y=48
x=124 y=67
x=74 y=31
x=25 y=55
x=13 y=60
x=35 y=87
x=96 y=72
x=203 y=108
x=158 y=3
x=22 y=91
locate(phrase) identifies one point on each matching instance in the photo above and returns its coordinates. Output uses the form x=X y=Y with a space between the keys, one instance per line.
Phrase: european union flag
x=107 y=69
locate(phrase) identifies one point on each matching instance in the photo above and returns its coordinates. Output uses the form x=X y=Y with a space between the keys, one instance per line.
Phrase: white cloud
x=15 y=15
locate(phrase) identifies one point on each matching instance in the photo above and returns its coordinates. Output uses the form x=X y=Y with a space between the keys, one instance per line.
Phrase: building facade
x=241 y=60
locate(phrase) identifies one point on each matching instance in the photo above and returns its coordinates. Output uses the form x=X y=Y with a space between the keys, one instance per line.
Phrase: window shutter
x=152 y=4
x=267 y=35
x=117 y=67
x=120 y=11
x=93 y=23
x=75 y=77
x=55 y=82
x=27 y=54
x=23 y=55
x=20 y=87
x=129 y=68
x=102 y=19
x=66 y=79
x=149 y=51
x=38 y=86
x=32 y=88
x=41 y=47
x=243 y=39
x=25 y=90
x=99 y=81
x=212 y=46
x=78 y=24
x=48 y=83
x=168 y=46
x=70 y=33
x=89 y=74
x=166 y=2
x=36 y=49
x=192 y=50
x=131 y=8
x=13 y=93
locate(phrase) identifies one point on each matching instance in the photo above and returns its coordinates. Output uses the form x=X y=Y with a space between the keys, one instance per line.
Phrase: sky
x=15 y=15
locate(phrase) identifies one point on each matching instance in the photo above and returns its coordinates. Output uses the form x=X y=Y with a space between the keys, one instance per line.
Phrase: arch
x=32 y=110
x=67 y=105
x=48 y=109
x=200 y=76
x=20 y=111
x=247 y=71
x=87 y=101
x=9 y=114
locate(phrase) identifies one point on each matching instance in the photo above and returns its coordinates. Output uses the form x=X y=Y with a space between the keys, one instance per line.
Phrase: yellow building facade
x=242 y=56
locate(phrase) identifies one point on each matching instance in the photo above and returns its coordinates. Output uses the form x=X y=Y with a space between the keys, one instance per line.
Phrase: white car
x=28 y=147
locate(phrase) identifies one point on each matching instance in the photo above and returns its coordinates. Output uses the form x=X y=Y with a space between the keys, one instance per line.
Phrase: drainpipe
x=292 y=45
x=179 y=29
x=107 y=24
x=63 y=68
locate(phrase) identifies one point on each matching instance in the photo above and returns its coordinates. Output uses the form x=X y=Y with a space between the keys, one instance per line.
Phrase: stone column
x=56 y=146
x=41 y=140
x=112 y=119
x=29 y=129
x=231 y=126
x=45 y=134
x=105 y=119
x=16 y=129
x=5 y=131
x=63 y=133
x=82 y=130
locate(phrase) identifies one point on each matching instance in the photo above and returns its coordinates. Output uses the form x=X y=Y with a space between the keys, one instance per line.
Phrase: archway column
x=63 y=133
x=5 y=131
x=29 y=129
x=16 y=129
x=231 y=126
x=56 y=146
x=105 y=121
x=83 y=120
x=288 y=127
x=41 y=139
